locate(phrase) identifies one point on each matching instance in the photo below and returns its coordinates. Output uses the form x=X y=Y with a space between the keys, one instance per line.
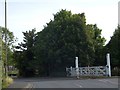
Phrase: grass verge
x=7 y=81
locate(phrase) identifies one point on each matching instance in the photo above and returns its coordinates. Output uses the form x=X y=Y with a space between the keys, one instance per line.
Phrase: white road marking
x=28 y=86
x=113 y=82
x=106 y=81
x=103 y=81
x=78 y=85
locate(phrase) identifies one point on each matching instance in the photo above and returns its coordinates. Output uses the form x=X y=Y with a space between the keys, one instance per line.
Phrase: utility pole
x=6 y=38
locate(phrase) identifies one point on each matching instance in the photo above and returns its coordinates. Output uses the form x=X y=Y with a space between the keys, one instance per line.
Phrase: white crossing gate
x=88 y=71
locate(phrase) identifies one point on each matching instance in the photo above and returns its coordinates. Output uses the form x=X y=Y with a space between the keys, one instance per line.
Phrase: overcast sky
x=23 y=15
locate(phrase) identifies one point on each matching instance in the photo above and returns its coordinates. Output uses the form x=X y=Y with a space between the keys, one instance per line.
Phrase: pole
x=6 y=38
x=77 y=68
x=108 y=64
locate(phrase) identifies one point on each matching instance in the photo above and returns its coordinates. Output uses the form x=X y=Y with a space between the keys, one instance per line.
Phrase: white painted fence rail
x=88 y=71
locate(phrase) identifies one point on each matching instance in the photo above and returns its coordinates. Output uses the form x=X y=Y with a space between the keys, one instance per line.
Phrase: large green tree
x=64 y=38
x=7 y=52
x=113 y=48
x=25 y=55
x=51 y=50
x=8 y=41
x=96 y=42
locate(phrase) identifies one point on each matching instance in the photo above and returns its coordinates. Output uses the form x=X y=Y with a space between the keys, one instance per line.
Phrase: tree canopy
x=50 y=51
x=113 y=47
x=64 y=38
x=25 y=55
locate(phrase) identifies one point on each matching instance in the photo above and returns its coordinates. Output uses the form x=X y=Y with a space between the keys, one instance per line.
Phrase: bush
x=7 y=81
x=116 y=71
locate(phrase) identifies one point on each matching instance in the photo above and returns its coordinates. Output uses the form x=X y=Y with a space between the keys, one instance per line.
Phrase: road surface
x=64 y=83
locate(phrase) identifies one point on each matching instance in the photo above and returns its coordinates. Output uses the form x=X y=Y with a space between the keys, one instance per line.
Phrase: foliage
x=96 y=42
x=7 y=44
x=64 y=38
x=113 y=48
x=6 y=82
x=67 y=36
x=25 y=55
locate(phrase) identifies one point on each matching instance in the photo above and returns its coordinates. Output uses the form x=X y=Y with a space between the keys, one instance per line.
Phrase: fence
x=88 y=71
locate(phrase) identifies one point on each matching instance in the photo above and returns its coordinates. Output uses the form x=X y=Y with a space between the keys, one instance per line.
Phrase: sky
x=24 y=15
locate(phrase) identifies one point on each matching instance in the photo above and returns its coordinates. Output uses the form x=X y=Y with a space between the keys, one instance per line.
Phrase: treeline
x=6 y=54
x=50 y=51
x=113 y=47
x=7 y=45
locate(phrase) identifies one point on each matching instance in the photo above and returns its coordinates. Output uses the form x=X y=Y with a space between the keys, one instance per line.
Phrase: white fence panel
x=88 y=71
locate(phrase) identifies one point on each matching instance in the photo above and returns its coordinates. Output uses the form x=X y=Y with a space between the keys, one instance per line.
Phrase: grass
x=7 y=81
x=13 y=72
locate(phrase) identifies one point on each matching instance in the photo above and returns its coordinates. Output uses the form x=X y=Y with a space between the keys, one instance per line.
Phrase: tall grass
x=6 y=82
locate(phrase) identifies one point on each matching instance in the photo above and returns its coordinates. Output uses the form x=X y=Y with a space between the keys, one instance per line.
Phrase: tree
x=25 y=55
x=64 y=38
x=8 y=44
x=51 y=50
x=10 y=37
x=113 y=48
x=7 y=47
x=96 y=42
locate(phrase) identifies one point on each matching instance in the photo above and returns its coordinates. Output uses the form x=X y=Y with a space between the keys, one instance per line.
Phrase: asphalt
x=64 y=83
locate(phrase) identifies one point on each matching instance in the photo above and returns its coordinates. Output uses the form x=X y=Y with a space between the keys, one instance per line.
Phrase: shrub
x=116 y=71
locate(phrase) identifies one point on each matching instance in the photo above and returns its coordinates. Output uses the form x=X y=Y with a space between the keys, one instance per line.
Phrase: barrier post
x=108 y=65
x=77 y=68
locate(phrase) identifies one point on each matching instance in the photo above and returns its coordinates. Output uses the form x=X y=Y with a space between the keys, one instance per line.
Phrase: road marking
x=113 y=82
x=78 y=85
x=28 y=86
x=106 y=81
x=103 y=81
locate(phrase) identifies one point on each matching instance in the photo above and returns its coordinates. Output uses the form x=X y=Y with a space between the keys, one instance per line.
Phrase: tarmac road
x=64 y=83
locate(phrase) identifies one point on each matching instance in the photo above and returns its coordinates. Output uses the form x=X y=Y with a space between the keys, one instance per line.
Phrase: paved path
x=65 y=83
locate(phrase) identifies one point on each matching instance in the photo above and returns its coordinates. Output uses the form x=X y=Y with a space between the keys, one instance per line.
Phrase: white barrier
x=90 y=71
